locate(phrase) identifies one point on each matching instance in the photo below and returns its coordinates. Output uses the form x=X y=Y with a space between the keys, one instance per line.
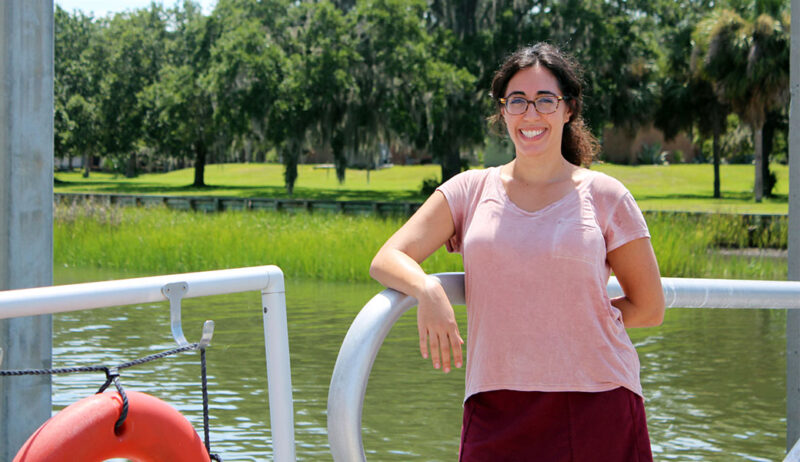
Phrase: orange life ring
x=153 y=431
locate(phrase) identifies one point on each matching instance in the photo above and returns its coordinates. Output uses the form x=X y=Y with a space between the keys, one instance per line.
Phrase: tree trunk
x=715 y=143
x=767 y=143
x=339 y=158
x=465 y=18
x=87 y=165
x=451 y=161
x=759 y=179
x=130 y=170
x=199 y=164
x=290 y=156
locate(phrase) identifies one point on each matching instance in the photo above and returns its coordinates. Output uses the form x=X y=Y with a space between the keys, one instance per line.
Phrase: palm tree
x=687 y=100
x=748 y=64
x=768 y=69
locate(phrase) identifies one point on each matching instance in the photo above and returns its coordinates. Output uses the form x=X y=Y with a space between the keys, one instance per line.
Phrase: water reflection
x=714 y=379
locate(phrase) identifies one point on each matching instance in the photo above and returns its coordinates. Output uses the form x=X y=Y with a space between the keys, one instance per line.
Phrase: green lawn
x=262 y=180
x=675 y=187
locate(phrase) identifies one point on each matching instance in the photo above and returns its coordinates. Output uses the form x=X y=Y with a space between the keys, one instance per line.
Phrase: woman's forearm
x=396 y=270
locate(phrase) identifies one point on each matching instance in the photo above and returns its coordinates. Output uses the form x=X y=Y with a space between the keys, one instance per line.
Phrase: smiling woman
x=551 y=371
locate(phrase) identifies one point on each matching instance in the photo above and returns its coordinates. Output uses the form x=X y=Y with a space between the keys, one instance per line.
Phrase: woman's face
x=535 y=134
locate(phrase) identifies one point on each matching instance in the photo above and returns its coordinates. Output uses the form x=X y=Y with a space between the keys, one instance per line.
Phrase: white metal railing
x=375 y=320
x=266 y=279
x=794 y=454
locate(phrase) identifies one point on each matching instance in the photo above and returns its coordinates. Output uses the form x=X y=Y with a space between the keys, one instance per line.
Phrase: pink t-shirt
x=539 y=316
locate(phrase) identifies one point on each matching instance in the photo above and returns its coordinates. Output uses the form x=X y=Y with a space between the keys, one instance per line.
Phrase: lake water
x=714 y=380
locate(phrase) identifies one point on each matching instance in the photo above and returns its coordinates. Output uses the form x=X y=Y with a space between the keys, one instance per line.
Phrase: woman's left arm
x=635 y=266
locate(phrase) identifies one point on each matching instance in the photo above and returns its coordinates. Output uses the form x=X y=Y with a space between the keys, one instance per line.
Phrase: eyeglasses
x=544 y=104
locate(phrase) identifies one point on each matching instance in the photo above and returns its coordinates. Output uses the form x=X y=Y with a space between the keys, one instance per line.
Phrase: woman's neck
x=539 y=171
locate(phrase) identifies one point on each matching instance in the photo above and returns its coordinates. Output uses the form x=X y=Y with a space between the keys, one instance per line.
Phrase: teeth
x=532 y=133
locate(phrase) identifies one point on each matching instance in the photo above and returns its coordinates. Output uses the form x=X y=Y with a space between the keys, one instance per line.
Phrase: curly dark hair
x=578 y=145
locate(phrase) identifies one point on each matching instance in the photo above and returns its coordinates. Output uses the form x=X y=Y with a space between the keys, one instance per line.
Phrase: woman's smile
x=533 y=133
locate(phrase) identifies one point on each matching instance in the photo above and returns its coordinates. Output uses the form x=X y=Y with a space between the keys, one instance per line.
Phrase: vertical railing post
x=26 y=208
x=279 y=379
x=793 y=316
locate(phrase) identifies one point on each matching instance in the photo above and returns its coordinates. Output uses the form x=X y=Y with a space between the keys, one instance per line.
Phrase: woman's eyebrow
x=540 y=92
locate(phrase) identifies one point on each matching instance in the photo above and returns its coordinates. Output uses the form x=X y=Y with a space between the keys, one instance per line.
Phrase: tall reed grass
x=334 y=247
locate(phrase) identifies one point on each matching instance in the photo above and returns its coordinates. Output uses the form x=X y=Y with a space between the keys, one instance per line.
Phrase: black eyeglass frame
x=528 y=102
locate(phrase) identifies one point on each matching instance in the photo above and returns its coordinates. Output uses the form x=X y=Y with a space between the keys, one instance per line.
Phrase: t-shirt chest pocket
x=580 y=240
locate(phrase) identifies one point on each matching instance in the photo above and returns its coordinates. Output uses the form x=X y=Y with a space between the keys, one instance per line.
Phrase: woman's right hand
x=436 y=322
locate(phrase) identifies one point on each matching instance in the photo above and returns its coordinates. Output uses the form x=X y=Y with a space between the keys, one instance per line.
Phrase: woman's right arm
x=397 y=265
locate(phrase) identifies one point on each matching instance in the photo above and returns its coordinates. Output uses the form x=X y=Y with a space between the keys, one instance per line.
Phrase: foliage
x=651 y=154
x=429 y=185
x=748 y=63
x=76 y=89
x=160 y=88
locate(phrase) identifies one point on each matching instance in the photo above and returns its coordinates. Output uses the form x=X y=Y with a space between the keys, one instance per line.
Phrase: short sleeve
x=459 y=192
x=625 y=223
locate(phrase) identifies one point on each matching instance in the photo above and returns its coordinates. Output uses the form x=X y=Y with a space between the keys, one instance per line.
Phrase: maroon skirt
x=506 y=425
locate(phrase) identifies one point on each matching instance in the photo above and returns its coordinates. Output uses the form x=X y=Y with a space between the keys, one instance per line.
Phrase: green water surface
x=714 y=379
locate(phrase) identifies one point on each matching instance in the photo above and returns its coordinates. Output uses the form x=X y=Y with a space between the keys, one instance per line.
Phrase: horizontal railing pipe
x=374 y=321
x=724 y=293
x=73 y=297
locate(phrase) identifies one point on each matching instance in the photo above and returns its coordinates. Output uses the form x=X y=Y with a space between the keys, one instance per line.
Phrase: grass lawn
x=676 y=187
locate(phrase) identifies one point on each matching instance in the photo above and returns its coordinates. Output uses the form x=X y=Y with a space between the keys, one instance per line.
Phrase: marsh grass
x=323 y=246
x=337 y=247
x=688 y=246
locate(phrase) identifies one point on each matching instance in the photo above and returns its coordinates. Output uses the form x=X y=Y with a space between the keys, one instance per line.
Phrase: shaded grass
x=676 y=187
x=332 y=247
x=263 y=180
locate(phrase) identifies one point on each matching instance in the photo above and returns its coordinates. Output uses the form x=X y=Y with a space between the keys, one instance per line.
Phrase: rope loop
x=113 y=376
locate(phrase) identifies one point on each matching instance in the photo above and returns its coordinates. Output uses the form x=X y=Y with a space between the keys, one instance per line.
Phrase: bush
x=429 y=185
x=676 y=157
x=650 y=154
x=769 y=183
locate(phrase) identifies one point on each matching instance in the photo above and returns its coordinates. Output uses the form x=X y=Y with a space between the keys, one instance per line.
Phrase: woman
x=552 y=374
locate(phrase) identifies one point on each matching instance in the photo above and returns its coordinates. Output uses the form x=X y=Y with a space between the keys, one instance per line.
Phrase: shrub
x=429 y=185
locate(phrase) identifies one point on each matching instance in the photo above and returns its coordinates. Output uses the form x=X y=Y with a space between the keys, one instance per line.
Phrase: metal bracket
x=174 y=292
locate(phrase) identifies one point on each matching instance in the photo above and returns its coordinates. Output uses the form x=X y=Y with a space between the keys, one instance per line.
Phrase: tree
x=768 y=67
x=749 y=66
x=410 y=89
x=178 y=104
x=453 y=115
x=220 y=77
x=134 y=48
x=687 y=100
x=76 y=87
x=324 y=53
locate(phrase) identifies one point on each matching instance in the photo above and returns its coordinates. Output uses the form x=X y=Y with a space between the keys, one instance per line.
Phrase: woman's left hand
x=635 y=266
